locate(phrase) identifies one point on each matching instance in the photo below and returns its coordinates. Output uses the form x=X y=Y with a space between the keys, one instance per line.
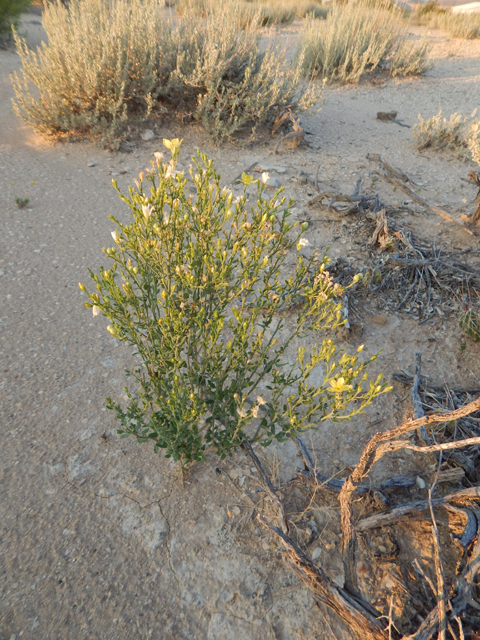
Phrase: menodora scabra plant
x=200 y=285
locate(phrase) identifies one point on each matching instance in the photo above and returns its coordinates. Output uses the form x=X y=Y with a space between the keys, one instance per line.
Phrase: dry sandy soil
x=101 y=538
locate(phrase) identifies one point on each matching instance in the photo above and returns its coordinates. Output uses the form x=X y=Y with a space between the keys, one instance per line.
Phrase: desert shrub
x=199 y=287
x=458 y=134
x=356 y=39
x=134 y=63
x=427 y=8
x=256 y=13
x=232 y=84
x=263 y=15
x=272 y=12
x=465 y=26
x=10 y=12
x=103 y=61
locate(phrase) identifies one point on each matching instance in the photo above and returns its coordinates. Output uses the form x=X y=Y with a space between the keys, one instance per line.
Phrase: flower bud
x=82 y=287
x=111 y=330
x=95 y=310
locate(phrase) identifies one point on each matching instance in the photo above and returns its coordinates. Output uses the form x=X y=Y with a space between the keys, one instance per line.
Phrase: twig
x=267 y=484
x=438 y=562
x=443 y=446
x=390 y=619
x=418 y=411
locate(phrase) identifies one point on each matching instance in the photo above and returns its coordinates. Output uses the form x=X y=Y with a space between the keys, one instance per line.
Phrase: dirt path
x=100 y=538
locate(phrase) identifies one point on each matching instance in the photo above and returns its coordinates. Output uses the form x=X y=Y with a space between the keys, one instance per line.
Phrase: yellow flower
x=339 y=385
x=172 y=145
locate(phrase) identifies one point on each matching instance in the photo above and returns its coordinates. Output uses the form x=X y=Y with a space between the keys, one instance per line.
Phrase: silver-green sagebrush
x=200 y=286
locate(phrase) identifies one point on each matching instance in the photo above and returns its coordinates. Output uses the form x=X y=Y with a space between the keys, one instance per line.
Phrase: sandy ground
x=101 y=538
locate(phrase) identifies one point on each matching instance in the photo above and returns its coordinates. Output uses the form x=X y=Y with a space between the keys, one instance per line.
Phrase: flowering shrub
x=199 y=286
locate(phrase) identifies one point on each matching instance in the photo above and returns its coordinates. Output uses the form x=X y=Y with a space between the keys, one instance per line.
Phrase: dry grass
x=357 y=39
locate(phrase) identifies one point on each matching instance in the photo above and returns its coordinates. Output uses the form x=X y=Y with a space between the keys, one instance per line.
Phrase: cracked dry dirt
x=100 y=537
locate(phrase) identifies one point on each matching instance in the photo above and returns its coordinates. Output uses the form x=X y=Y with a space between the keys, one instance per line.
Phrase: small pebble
x=317 y=552
x=147 y=135
x=92 y=164
x=236 y=511
x=420 y=483
x=272 y=182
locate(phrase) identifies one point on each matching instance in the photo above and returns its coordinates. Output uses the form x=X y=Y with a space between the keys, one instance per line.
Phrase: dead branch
x=371 y=454
x=441 y=595
x=464 y=587
x=406 y=511
x=357 y=613
x=380 y=234
x=474 y=218
x=393 y=177
x=406 y=378
x=418 y=411
x=405 y=444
